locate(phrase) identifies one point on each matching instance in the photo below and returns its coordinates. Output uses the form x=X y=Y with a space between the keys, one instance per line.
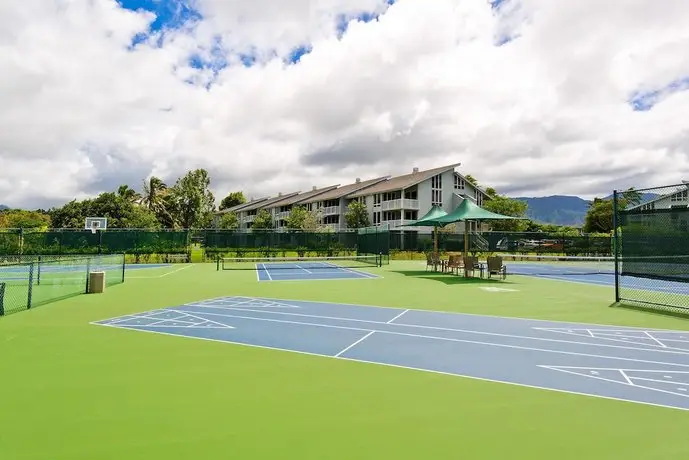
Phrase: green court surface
x=73 y=390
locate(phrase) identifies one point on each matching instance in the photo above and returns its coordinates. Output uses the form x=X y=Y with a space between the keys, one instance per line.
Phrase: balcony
x=247 y=219
x=394 y=205
x=282 y=215
x=330 y=211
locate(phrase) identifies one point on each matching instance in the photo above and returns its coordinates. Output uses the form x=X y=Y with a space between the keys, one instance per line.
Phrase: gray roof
x=268 y=202
x=241 y=207
x=344 y=190
x=402 y=182
x=301 y=197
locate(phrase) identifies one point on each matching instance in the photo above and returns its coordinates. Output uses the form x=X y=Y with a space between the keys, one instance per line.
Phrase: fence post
x=30 y=293
x=38 y=272
x=88 y=271
x=124 y=264
x=2 y=299
x=616 y=245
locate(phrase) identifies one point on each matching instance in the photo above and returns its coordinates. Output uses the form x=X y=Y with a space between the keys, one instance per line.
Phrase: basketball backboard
x=96 y=223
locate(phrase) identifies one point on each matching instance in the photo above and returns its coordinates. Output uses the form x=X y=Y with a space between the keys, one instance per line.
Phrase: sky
x=532 y=97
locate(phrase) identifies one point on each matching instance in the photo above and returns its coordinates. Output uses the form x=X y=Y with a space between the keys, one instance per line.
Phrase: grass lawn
x=73 y=390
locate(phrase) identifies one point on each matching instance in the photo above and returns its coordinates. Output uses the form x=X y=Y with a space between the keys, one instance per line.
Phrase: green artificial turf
x=73 y=390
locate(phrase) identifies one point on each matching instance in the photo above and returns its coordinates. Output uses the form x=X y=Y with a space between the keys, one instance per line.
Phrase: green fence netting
x=34 y=282
x=652 y=248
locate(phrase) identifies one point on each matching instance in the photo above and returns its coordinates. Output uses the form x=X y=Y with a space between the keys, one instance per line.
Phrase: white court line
x=626 y=377
x=448 y=339
x=627 y=383
x=265 y=269
x=488 y=317
x=653 y=338
x=354 y=344
x=302 y=268
x=660 y=381
x=602 y=336
x=157 y=276
x=677 y=351
x=397 y=317
x=202 y=319
x=408 y=368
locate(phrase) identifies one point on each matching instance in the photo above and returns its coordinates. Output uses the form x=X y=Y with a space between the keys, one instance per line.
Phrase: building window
x=680 y=196
x=436 y=190
x=459 y=182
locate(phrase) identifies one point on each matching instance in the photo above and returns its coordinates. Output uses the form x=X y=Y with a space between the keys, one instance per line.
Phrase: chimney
x=358 y=180
x=279 y=193
x=314 y=188
x=415 y=170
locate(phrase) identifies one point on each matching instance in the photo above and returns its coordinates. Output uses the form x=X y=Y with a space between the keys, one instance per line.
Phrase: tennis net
x=675 y=268
x=298 y=263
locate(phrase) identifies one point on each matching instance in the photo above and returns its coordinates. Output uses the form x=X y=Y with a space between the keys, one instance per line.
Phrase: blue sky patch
x=642 y=101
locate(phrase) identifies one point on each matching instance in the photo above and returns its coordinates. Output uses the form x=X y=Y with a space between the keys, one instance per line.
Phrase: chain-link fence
x=38 y=281
x=260 y=243
x=652 y=247
x=82 y=242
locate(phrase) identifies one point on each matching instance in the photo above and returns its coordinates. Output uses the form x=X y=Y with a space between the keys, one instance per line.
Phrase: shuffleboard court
x=647 y=366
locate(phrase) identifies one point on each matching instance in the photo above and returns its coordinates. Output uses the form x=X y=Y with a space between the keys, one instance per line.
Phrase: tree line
x=189 y=204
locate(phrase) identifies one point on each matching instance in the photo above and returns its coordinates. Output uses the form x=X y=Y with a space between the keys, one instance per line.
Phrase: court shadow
x=674 y=312
x=452 y=279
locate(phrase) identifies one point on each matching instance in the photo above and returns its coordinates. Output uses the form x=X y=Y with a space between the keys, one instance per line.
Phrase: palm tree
x=154 y=197
x=128 y=194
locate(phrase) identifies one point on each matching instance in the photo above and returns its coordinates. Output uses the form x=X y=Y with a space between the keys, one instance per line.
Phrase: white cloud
x=425 y=85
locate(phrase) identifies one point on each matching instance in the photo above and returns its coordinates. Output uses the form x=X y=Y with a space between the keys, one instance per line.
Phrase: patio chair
x=471 y=265
x=432 y=261
x=496 y=267
x=455 y=263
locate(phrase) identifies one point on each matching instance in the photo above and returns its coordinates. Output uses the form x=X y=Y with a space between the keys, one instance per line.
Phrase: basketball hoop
x=96 y=223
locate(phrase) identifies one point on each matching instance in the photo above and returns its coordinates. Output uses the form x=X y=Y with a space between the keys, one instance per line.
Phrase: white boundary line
x=613 y=338
x=456 y=313
x=158 y=276
x=203 y=320
x=397 y=317
x=397 y=366
x=449 y=339
x=354 y=344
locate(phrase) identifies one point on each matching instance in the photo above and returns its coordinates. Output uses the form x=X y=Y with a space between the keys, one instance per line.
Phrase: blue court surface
x=21 y=272
x=601 y=279
x=645 y=366
x=308 y=271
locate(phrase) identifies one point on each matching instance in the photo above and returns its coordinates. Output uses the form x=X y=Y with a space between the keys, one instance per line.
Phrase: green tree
x=357 y=215
x=469 y=178
x=301 y=218
x=19 y=218
x=263 y=220
x=229 y=221
x=128 y=194
x=120 y=213
x=507 y=206
x=599 y=216
x=194 y=203
x=231 y=200
x=156 y=198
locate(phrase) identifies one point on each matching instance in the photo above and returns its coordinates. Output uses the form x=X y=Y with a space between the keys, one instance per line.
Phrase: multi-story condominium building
x=391 y=201
x=678 y=199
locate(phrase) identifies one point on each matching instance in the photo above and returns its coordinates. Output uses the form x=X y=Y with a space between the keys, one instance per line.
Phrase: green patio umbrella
x=431 y=219
x=470 y=211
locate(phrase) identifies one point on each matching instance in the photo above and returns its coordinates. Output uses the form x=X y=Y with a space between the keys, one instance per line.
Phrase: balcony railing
x=399 y=204
x=330 y=210
x=249 y=218
x=282 y=215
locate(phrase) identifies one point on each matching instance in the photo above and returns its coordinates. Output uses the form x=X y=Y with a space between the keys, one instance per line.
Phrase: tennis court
x=404 y=363
x=305 y=268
